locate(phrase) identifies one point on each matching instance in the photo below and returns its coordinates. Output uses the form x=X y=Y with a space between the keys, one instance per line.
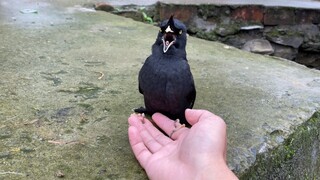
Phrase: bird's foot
x=142 y=116
x=177 y=127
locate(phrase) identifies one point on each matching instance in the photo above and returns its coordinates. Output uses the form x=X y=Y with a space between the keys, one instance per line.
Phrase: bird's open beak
x=168 y=39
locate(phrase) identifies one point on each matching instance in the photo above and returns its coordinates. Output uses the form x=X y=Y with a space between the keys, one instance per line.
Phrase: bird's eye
x=161 y=30
x=180 y=32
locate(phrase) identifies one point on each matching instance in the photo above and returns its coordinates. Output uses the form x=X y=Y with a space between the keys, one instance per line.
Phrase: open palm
x=190 y=153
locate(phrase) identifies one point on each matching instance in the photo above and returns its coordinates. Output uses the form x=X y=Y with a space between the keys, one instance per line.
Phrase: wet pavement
x=69 y=81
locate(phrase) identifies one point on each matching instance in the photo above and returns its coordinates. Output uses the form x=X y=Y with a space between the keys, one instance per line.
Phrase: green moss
x=5 y=134
x=207 y=35
x=27 y=149
x=214 y=13
x=85 y=90
x=297 y=157
x=87 y=107
x=289 y=149
x=68 y=131
x=56 y=81
x=278 y=32
x=227 y=29
x=5 y=154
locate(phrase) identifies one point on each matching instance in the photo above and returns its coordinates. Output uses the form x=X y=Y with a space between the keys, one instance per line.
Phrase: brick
x=307 y=16
x=279 y=16
x=248 y=13
x=184 y=13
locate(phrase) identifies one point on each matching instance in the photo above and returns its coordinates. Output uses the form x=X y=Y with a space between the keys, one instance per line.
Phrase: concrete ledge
x=297 y=157
x=262 y=100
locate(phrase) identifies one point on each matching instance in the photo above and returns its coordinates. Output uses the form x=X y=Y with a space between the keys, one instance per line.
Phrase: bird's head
x=172 y=35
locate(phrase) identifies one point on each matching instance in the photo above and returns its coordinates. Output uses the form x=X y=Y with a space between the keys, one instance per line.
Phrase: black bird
x=165 y=79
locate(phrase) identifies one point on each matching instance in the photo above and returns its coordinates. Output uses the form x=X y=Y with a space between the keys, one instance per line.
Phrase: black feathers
x=165 y=79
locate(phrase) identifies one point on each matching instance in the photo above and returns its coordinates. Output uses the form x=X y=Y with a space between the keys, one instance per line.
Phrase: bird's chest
x=162 y=74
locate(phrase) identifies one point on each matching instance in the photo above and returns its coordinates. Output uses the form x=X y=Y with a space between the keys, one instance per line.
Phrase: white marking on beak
x=168 y=30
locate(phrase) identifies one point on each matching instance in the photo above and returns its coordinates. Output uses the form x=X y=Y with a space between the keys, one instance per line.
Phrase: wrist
x=216 y=170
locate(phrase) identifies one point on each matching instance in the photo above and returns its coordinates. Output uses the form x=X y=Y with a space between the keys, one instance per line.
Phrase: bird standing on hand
x=165 y=79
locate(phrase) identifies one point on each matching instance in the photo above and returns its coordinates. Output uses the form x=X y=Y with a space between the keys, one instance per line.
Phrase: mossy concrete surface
x=69 y=81
x=296 y=158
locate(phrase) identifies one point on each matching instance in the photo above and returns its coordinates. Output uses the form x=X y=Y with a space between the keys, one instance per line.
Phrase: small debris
x=252 y=27
x=59 y=174
x=83 y=118
x=263 y=148
x=64 y=142
x=13 y=173
x=29 y=11
x=101 y=75
x=102 y=171
x=15 y=150
x=227 y=47
x=31 y=122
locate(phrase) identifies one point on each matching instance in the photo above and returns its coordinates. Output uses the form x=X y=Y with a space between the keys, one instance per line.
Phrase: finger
x=209 y=120
x=156 y=134
x=172 y=128
x=150 y=142
x=137 y=121
x=195 y=115
x=205 y=119
x=178 y=130
x=166 y=124
x=140 y=151
x=142 y=123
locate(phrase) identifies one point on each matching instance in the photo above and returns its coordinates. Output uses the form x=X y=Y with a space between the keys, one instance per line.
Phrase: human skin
x=198 y=152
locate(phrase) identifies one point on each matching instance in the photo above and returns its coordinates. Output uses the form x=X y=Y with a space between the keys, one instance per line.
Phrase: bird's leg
x=143 y=116
x=141 y=110
x=177 y=126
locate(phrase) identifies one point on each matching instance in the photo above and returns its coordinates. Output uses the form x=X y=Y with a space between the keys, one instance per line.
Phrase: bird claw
x=177 y=127
x=143 y=116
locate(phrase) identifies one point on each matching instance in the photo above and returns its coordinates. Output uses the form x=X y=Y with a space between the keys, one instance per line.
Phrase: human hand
x=195 y=153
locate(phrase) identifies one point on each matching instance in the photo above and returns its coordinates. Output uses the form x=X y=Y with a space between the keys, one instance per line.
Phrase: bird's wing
x=142 y=73
x=140 y=90
x=192 y=96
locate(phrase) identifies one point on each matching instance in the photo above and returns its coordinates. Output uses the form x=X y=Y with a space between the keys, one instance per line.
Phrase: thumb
x=195 y=115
